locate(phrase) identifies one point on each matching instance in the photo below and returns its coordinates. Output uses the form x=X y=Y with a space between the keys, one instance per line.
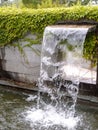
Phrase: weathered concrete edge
x=90 y=100
x=11 y=85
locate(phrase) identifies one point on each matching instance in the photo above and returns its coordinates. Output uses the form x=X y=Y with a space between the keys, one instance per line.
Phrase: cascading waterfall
x=62 y=60
x=61 y=67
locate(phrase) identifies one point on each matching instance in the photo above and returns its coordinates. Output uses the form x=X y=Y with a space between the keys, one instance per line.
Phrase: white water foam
x=58 y=116
x=49 y=117
x=31 y=98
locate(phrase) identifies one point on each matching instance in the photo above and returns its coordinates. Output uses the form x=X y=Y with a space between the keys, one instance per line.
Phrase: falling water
x=60 y=74
x=62 y=53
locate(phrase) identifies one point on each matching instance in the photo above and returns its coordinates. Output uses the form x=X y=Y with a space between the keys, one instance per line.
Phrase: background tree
x=31 y=3
x=53 y=3
x=85 y=2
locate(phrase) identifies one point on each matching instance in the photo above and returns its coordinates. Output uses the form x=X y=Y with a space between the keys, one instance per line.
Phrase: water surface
x=19 y=111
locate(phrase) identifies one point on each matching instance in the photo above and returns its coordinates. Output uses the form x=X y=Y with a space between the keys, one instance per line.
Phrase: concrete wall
x=20 y=66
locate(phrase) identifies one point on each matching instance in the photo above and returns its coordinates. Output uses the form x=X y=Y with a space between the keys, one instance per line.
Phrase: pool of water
x=20 y=111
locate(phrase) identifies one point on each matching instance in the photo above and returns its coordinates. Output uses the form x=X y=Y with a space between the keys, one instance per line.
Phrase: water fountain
x=62 y=66
x=62 y=56
x=54 y=106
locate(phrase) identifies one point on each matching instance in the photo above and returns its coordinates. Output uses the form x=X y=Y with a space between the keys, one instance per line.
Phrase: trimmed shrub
x=15 y=23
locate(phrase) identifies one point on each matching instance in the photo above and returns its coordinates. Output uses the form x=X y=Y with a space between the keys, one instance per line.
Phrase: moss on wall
x=91 y=48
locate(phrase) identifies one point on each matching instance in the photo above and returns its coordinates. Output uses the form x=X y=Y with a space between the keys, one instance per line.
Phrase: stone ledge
x=18 y=85
x=32 y=87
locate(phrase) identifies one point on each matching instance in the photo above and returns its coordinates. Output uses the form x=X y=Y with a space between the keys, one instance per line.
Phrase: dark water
x=15 y=105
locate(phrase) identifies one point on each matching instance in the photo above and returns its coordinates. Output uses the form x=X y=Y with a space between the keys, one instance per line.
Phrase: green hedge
x=15 y=23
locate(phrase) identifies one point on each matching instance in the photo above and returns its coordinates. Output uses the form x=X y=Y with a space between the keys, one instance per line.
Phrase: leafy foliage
x=15 y=23
x=53 y=3
x=31 y=3
x=91 y=48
